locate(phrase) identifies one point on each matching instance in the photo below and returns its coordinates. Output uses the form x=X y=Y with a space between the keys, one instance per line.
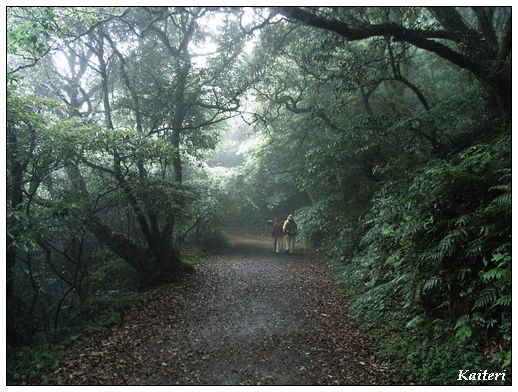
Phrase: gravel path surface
x=246 y=317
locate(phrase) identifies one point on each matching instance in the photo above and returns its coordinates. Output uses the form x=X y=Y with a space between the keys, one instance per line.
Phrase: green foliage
x=31 y=38
x=114 y=285
x=113 y=274
x=90 y=168
x=436 y=252
x=32 y=364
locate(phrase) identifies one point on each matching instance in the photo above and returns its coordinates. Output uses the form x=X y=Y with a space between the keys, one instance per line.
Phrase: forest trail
x=246 y=317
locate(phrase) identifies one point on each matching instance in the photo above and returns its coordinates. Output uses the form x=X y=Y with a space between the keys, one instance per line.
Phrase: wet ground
x=246 y=317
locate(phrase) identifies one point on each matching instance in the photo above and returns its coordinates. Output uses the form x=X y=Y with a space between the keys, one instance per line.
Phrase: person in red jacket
x=277 y=234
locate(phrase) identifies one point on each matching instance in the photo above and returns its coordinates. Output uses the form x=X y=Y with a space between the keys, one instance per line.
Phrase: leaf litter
x=246 y=317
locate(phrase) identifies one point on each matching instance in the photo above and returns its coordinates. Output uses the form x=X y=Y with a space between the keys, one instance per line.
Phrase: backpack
x=291 y=228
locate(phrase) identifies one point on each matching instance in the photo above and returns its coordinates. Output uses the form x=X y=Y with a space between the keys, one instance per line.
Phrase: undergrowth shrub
x=32 y=364
x=213 y=239
x=112 y=286
x=113 y=274
x=431 y=277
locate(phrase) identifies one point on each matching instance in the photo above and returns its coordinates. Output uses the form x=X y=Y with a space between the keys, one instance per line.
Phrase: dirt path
x=245 y=317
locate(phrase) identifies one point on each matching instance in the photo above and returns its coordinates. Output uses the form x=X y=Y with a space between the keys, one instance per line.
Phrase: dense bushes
x=32 y=364
x=432 y=279
x=110 y=288
x=113 y=274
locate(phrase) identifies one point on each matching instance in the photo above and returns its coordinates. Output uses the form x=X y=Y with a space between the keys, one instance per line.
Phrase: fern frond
x=505 y=300
x=487 y=297
x=496 y=274
x=501 y=187
x=462 y=221
x=432 y=283
x=503 y=200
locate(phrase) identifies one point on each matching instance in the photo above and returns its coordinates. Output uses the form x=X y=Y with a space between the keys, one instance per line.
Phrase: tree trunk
x=134 y=255
x=366 y=99
x=16 y=199
x=177 y=160
x=499 y=94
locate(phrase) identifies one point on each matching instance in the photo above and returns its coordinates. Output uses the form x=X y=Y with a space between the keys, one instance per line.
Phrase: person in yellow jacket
x=290 y=231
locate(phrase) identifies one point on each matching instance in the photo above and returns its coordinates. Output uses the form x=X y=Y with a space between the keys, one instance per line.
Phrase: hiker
x=277 y=234
x=290 y=230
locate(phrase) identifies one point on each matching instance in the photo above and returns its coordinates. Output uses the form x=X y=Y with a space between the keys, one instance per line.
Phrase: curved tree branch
x=423 y=39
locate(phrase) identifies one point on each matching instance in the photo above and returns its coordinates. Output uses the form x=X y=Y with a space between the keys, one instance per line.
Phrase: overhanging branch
x=423 y=39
